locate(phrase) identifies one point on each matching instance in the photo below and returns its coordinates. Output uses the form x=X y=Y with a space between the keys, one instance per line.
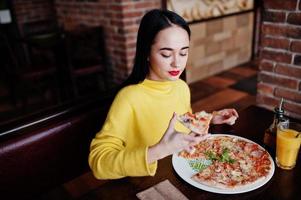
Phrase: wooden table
x=284 y=185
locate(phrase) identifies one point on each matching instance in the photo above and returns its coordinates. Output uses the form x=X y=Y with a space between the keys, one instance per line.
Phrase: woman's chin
x=173 y=78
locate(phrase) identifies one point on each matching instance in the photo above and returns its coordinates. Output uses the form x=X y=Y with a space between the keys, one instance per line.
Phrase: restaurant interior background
x=64 y=57
x=60 y=52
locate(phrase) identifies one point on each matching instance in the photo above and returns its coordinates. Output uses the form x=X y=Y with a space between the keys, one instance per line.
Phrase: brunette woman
x=141 y=126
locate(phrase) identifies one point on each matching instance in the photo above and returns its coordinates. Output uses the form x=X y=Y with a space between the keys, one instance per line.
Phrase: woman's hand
x=225 y=116
x=173 y=141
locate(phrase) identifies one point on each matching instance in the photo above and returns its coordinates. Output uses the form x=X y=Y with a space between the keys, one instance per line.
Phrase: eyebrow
x=170 y=49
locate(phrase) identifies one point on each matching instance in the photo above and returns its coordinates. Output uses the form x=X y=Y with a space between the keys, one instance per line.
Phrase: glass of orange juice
x=287 y=144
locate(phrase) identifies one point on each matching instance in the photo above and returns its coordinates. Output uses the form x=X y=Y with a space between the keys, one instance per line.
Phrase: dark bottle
x=270 y=133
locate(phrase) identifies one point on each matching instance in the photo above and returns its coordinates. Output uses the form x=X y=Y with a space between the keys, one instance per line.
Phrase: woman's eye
x=165 y=55
x=184 y=53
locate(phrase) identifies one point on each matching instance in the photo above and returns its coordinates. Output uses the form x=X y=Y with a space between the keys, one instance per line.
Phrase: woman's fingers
x=189 y=138
x=194 y=138
x=227 y=116
x=200 y=136
x=232 y=112
x=194 y=134
x=228 y=112
x=190 y=149
x=235 y=113
x=230 y=120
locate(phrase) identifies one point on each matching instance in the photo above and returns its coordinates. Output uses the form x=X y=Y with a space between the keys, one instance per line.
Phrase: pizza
x=198 y=122
x=227 y=162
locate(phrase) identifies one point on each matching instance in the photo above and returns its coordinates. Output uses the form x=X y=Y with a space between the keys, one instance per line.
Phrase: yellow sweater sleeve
x=110 y=157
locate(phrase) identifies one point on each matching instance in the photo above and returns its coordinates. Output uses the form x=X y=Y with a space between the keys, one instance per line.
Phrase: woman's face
x=168 y=55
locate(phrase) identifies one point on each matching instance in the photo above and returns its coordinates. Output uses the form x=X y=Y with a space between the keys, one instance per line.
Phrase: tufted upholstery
x=39 y=159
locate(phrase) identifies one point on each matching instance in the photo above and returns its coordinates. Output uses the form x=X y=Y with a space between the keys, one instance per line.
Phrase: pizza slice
x=198 y=122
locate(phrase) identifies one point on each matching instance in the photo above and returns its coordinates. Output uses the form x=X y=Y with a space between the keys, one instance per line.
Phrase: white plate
x=183 y=169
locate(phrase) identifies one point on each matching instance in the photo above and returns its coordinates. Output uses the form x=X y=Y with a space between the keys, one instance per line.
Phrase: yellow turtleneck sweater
x=137 y=119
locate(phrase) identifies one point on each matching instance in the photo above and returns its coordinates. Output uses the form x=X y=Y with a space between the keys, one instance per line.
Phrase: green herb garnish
x=211 y=155
x=224 y=157
x=199 y=165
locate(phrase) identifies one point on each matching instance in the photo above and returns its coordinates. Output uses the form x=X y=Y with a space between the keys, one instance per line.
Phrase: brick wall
x=34 y=10
x=280 y=56
x=120 y=19
x=219 y=44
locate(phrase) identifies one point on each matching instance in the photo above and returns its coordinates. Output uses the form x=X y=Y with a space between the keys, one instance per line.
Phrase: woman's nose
x=175 y=62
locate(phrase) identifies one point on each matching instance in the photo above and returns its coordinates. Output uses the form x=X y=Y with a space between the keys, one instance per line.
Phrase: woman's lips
x=174 y=73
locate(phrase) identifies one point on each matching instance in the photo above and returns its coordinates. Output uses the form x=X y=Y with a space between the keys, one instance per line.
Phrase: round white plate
x=183 y=169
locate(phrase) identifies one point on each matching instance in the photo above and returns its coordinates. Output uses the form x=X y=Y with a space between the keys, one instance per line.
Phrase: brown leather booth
x=39 y=158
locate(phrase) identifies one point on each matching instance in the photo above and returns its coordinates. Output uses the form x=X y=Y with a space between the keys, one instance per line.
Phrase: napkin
x=162 y=191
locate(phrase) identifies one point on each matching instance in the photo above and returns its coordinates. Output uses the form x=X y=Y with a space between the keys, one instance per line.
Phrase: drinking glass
x=287 y=144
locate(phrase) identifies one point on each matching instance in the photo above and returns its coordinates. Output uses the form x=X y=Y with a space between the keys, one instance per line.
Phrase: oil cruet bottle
x=270 y=133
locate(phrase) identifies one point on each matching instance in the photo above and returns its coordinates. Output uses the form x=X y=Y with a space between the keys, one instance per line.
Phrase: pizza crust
x=209 y=183
x=198 y=122
x=214 y=184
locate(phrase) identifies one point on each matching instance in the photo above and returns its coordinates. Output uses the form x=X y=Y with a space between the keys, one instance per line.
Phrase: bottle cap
x=279 y=109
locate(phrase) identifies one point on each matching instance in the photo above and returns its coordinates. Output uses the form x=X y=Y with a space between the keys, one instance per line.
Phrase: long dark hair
x=151 y=24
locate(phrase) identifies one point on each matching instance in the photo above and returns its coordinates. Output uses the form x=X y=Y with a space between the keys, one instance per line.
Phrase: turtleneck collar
x=159 y=86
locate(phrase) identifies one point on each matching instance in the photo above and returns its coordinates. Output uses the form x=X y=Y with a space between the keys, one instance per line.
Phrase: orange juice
x=287 y=148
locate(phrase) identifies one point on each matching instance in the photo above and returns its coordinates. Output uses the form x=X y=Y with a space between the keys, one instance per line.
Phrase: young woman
x=141 y=126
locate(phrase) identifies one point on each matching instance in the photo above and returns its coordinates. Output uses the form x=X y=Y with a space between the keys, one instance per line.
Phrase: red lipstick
x=174 y=73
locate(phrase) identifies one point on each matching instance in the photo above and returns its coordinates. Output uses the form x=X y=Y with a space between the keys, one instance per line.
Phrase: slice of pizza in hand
x=198 y=122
